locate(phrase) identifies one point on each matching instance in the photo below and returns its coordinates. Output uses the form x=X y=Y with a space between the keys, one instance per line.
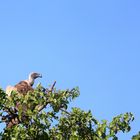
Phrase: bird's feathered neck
x=31 y=80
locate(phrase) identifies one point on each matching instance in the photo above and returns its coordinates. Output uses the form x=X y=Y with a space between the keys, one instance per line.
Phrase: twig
x=52 y=87
x=10 y=110
x=65 y=111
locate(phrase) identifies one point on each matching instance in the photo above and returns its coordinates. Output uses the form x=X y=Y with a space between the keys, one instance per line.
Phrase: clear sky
x=91 y=44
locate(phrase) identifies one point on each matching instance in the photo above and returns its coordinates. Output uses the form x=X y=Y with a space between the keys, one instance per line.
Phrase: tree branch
x=52 y=87
x=40 y=108
x=65 y=111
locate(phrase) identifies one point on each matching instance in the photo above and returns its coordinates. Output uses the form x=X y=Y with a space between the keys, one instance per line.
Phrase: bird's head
x=35 y=75
x=32 y=77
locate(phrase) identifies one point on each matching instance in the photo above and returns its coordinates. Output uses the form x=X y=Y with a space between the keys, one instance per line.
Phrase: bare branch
x=52 y=87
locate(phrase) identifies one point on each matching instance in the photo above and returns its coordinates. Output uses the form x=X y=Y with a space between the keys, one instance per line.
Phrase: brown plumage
x=24 y=86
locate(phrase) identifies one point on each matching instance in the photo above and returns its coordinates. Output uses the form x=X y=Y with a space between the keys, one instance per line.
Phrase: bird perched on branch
x=24 y=86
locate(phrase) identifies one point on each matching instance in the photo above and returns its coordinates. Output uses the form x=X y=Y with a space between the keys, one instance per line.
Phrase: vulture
x=24 y=86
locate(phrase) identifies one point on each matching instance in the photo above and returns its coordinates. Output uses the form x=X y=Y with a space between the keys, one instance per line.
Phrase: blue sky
x=91 y=44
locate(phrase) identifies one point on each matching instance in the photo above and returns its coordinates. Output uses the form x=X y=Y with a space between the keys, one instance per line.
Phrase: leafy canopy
x=43 y=114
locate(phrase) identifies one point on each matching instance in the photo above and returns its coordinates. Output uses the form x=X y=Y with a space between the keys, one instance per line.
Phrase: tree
x=43 y=114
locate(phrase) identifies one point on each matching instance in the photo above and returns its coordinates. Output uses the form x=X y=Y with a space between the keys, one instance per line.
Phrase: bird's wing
x=9 y=89
x=23 y=87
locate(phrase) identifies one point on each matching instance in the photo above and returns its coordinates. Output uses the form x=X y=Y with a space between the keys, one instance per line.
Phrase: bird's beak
x=40 y=75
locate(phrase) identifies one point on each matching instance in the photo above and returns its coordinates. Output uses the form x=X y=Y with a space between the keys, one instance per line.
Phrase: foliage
x=43 y=114
x=136 y=137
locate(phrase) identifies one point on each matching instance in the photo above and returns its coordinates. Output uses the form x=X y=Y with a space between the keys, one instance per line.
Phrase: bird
x=24 y=86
